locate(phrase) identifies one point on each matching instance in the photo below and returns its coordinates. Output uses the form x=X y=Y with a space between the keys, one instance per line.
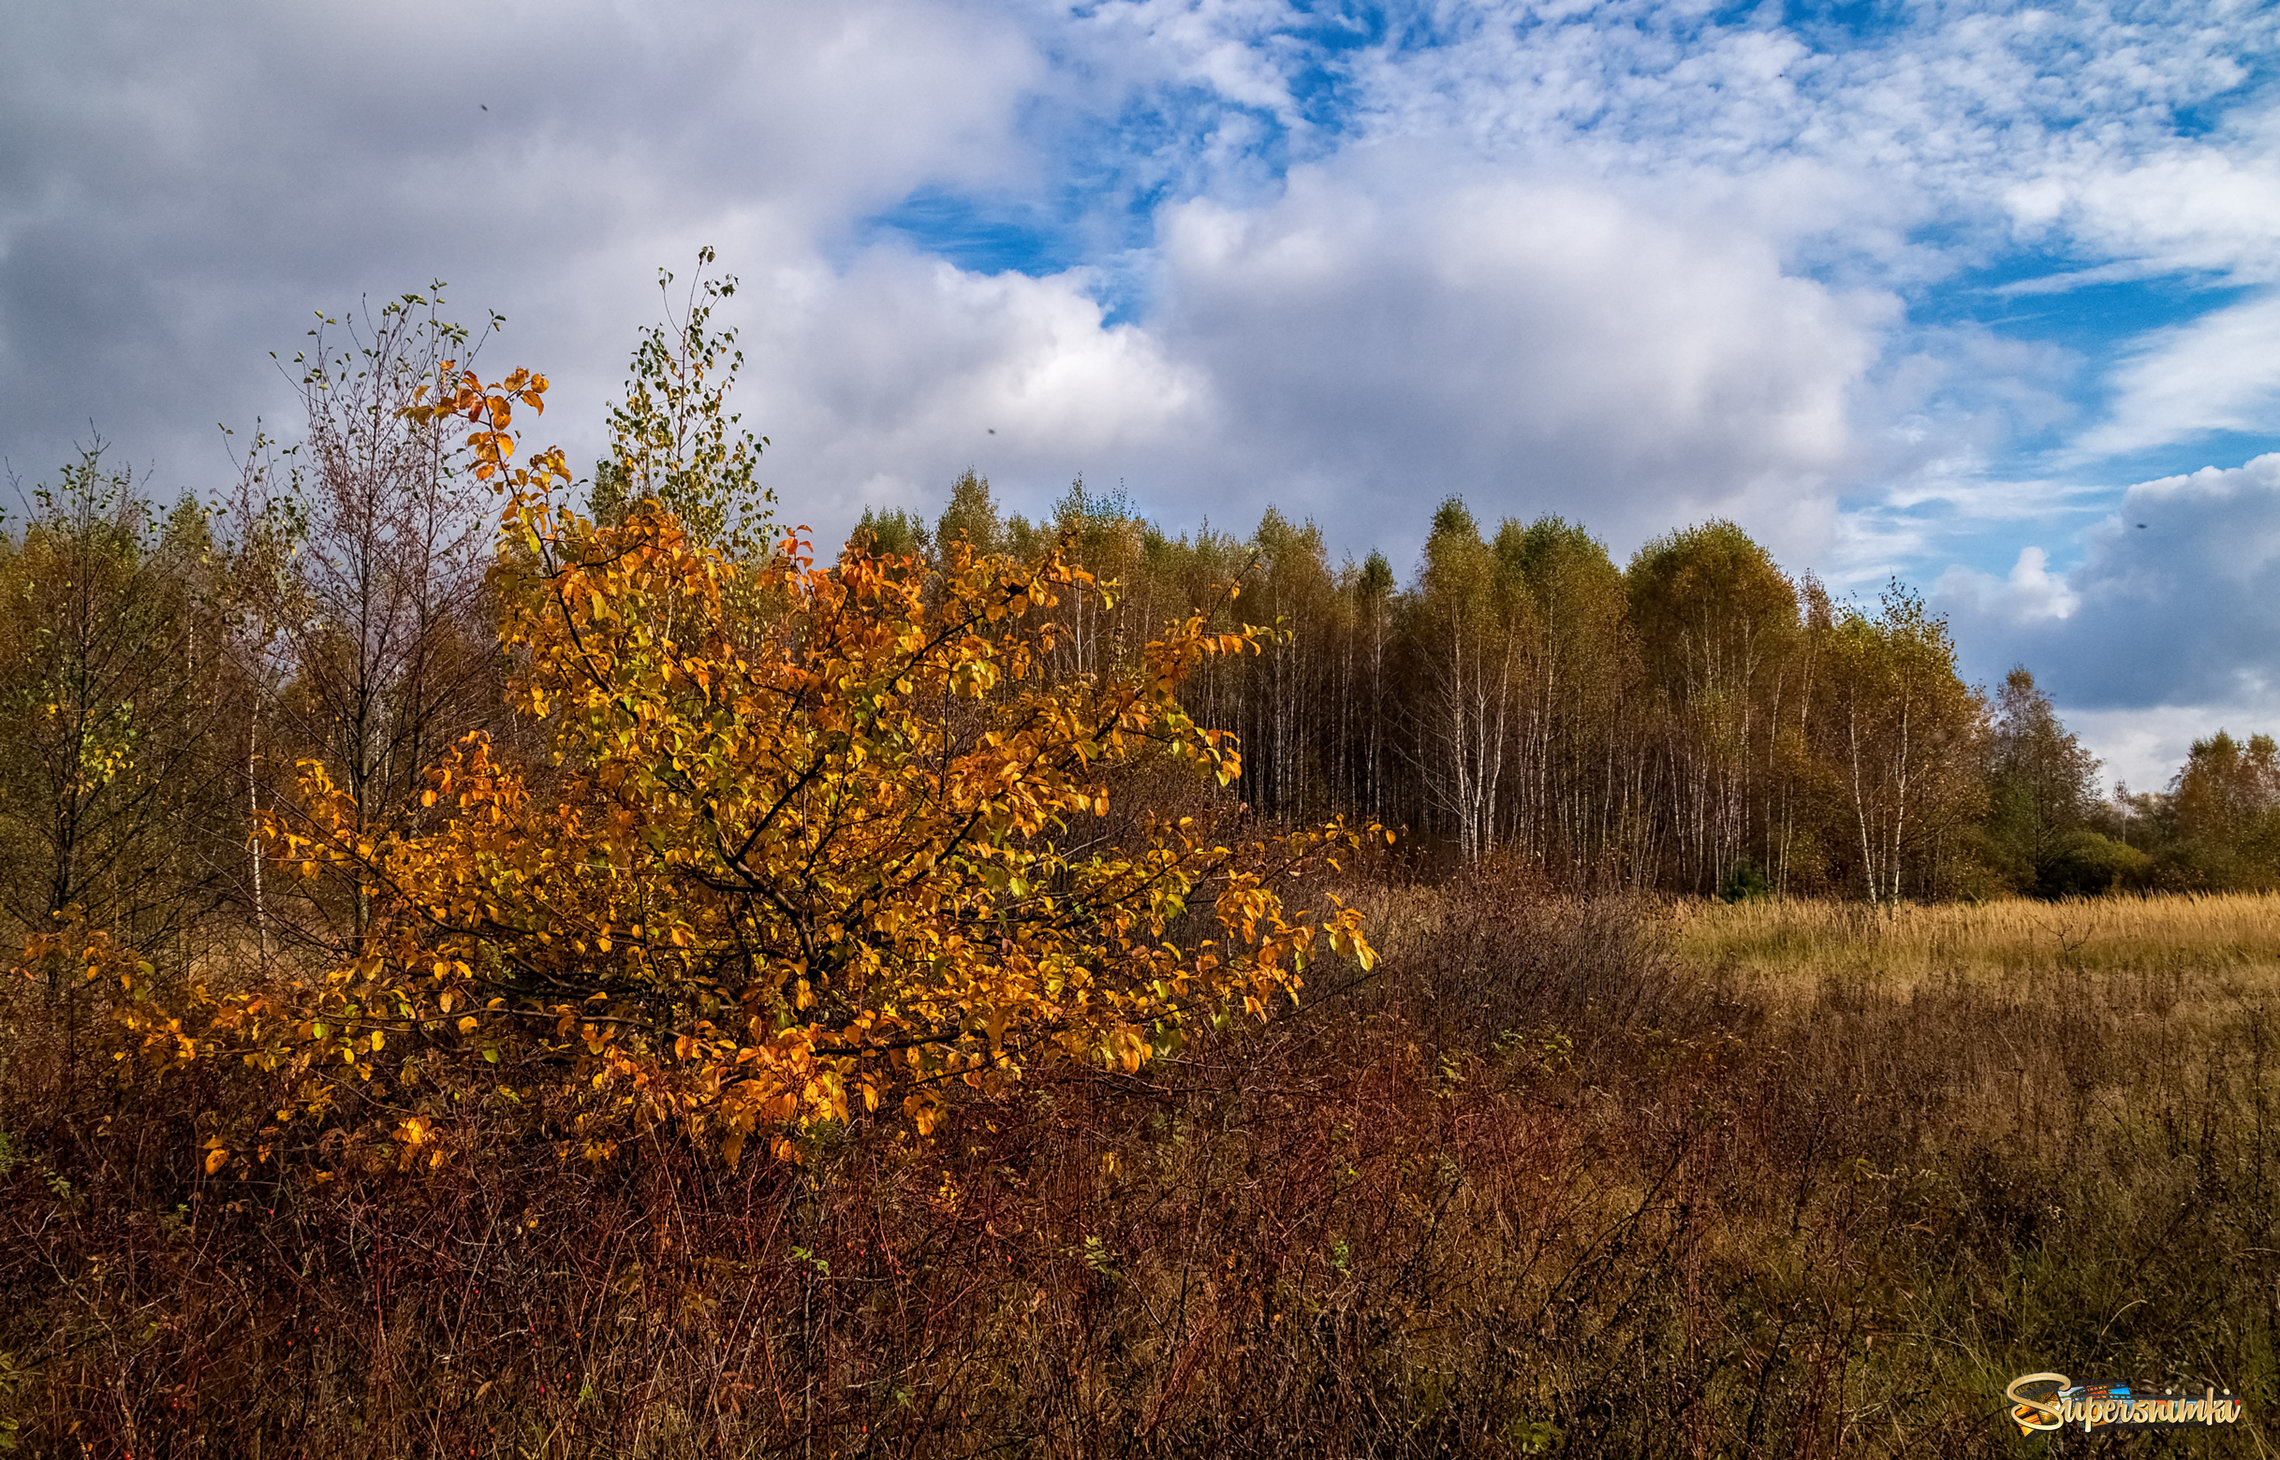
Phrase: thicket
x=612 y=984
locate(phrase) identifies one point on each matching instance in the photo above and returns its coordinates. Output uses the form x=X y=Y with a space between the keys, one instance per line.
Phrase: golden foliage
x=810 y=842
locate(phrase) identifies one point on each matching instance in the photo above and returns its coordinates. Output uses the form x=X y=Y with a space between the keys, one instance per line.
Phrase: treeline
x=1696 y=720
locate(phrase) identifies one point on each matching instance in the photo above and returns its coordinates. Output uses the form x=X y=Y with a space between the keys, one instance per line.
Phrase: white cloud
x=2143 y=748
x=1368 y=342
x=1381 y=334
x=2212 y=205
x=1882 y=164
x=2177 y=600
x=2035 y=113
x=2219 y=373
x=881 y=382
x=181 y=186
x=2030 y=594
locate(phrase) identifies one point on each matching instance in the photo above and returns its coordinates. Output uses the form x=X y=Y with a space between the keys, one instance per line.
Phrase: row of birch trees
x=1695 y=720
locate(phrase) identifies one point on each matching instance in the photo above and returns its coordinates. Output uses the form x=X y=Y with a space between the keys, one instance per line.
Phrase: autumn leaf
x=797 y=836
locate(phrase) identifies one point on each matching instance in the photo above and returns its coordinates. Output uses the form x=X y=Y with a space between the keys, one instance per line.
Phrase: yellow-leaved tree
x=808 y=843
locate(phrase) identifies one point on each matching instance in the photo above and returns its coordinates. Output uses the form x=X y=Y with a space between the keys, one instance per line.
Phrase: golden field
x=1780 y=942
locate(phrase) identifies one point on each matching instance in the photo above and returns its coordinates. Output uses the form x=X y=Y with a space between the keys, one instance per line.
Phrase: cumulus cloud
x=882 y=379
x=2029 y=594
x=1364 y=344
x=2186 y=608
x=2166 y=629
x=180 y=187
x=1378 y=337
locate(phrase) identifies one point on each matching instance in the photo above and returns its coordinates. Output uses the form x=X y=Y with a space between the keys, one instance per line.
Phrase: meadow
x=1583 y=1176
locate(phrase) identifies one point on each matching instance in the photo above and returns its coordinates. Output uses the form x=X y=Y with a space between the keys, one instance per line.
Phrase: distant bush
x=1743 y=882
x=2085 y=863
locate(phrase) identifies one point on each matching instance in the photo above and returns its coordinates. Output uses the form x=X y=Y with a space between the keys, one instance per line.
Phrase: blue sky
x=1955 y=292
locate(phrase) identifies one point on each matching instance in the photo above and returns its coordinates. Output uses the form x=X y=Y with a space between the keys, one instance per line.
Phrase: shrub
x=2086 y=863
x=808 y=842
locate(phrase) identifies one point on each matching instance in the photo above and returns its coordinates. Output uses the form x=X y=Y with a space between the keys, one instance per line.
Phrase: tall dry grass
x=1791 y=941
x=1568 y=1175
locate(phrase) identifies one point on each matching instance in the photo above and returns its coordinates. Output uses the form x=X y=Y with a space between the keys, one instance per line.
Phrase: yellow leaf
x=825 y=788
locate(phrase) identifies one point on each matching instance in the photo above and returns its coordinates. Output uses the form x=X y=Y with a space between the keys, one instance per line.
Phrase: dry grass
x=1600 y=1177
x=2231 y=940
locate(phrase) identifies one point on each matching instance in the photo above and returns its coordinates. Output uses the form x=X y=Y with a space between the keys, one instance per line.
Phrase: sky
x=1983 y=297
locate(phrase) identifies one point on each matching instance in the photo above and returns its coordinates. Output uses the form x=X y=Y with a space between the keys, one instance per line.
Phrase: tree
x=1098 y=530
x=2041 y=786
x=2225 y=805
x=110 y=818
x=360 y=573
x=1579 y=662
x=971 y=516
x=1292 y=700
x=675 y=441
x=892 y=534
x=1908 y=738
x=1715 y=619
x=1371 y=588
x=1462 y=636
x=785 y=868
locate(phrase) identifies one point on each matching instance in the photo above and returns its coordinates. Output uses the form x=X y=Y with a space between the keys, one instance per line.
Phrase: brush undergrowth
x=1577 y=1176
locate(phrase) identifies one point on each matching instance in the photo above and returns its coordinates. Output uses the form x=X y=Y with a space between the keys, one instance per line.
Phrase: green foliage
x=109 y=667
x=2041 y=787
x=1711 y=608
x=2216 y=828
x=971 y=516
x=2085 y=863
x=2226 y=803
x=892 y=534
x=674 y=440
x=1906 y=734
x=1744 y=882
x=1375 y=582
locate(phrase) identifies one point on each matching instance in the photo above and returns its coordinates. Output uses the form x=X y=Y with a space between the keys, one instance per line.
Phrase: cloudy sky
x=1987 y=297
